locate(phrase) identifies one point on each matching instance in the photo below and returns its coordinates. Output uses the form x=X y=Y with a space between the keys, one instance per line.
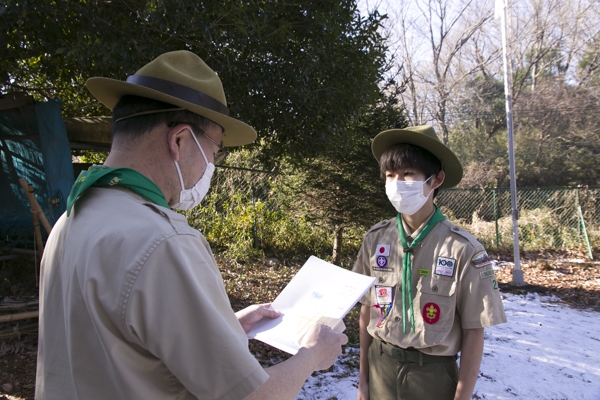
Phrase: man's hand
x=324 y=345
x=319 y=349
x=249 y=316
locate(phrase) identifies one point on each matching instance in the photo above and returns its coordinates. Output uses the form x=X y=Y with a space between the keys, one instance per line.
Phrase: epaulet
x=380 y=225
x=156 y=209
x=460 y=231
x=480 y=258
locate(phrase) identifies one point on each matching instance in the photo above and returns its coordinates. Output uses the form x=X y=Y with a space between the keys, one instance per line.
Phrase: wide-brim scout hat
x=423 y=136
x=180 y=78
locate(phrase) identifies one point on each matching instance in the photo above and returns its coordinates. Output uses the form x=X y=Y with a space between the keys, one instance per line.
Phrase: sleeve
x=362 y=266
x=479 y=303
x=179 y=311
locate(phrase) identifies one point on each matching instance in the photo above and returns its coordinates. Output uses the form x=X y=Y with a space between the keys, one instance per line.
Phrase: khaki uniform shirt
x=134 y=307
x=453 y=286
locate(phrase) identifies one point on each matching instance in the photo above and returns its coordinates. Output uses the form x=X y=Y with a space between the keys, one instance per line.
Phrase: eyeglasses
x=220 y=155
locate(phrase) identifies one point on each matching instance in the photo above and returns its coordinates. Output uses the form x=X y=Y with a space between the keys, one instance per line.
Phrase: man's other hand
x=249 y=316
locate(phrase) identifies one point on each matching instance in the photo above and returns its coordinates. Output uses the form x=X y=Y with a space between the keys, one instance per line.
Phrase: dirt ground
x=569 y=276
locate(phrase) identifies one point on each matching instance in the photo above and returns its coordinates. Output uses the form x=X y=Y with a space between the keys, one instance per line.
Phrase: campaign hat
x=182 y=79
x=425 y=137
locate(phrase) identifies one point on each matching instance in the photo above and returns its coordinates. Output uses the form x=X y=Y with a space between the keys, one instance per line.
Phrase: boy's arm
x=365 y=342
x=471 y=352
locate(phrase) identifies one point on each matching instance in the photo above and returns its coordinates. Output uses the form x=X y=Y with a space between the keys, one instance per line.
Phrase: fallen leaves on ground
x=570 y=276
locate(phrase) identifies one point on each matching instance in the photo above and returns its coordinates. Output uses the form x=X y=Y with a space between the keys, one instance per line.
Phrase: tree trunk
x=337 y=245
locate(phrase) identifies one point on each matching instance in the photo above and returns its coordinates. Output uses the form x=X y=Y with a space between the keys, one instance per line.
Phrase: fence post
x=582 y=227
x=495 y=194
x=254 y=233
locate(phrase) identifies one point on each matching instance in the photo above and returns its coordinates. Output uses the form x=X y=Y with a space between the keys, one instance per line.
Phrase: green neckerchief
x=407 y=264
x=99 y=175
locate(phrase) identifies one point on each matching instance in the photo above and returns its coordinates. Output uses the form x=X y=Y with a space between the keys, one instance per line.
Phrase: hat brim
x=109 y=91
x=450 y=163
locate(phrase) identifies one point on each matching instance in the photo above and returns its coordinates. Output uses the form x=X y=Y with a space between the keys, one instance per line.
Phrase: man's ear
x=174 y=140
x=438 y=180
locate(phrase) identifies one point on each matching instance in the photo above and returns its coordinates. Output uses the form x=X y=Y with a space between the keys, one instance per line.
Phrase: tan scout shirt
x=453 y=286
x=133 y=307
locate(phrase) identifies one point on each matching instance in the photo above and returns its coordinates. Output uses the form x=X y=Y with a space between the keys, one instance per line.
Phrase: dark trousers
x=416 y=377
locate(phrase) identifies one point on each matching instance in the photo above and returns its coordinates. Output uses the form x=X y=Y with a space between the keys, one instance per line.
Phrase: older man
x=132 y=303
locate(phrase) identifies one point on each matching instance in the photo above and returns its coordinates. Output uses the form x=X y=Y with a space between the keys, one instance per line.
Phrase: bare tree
x=429 y=37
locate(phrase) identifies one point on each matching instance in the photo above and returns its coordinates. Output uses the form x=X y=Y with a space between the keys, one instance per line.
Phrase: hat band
x=149 y=112
x=179 y=91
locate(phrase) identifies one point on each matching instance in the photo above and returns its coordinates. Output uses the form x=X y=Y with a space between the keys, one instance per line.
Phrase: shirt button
x=381 y=279
x=456 y=229
x=435 y=289
x=397 y=319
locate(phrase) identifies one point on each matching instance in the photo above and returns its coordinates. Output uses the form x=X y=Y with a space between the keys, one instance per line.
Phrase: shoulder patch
x=481 y=259
x=380 y=225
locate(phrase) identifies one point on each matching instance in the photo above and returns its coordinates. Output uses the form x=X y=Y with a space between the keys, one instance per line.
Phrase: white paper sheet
x=318 y=289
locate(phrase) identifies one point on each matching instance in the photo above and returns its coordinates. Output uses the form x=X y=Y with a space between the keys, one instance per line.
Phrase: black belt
x=406 y=355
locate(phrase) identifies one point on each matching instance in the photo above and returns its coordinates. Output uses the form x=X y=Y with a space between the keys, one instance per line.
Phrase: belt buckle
x=398 y=354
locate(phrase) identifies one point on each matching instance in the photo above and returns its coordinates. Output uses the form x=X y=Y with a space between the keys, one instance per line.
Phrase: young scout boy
x=435 y=290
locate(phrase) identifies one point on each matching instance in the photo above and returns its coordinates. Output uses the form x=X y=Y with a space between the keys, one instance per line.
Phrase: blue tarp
x=34 y=146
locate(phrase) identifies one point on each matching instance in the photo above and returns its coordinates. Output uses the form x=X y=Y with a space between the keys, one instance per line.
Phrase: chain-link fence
x=241 y=185
x=549 y=218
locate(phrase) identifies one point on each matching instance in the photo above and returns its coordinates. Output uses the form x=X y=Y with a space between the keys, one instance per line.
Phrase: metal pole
x=517 y=272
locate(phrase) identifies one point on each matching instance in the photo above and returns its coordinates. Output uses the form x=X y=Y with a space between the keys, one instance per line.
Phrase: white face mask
x=407 y=196
x=190 y=198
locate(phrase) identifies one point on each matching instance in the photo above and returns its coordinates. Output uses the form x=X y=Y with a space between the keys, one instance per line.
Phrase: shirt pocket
x=436 y=302
x=386 y=276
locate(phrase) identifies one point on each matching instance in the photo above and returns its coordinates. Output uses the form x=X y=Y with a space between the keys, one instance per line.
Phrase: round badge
x=431 y=313
x=381 y=261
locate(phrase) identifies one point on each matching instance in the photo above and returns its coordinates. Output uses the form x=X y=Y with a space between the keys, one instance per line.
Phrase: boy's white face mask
x=190 y=198
x=407 y=196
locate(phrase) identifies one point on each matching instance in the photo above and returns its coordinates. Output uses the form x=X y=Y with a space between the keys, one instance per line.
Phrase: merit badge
x=424 y=272
x=445 y=266
x=481 y=259
x=486 y=274
x=383 y=250
x=384 y=295
x=431 y=313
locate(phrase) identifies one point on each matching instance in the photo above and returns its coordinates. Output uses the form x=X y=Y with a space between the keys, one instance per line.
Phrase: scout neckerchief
x=407 y=264
x=98 y=175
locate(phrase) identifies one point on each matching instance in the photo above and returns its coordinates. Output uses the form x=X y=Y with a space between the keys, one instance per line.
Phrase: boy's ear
x=438 y=180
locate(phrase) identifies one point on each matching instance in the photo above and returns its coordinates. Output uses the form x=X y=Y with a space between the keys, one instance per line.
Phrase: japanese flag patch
x=383 y=250
x=445 y=266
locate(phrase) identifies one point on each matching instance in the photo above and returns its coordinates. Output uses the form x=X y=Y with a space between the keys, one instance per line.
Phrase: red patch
x=431 y=313
x=381 y=249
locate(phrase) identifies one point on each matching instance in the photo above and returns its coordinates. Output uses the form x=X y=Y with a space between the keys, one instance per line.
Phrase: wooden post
x=35 y=206
x=38 y=215
x=19 y=316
